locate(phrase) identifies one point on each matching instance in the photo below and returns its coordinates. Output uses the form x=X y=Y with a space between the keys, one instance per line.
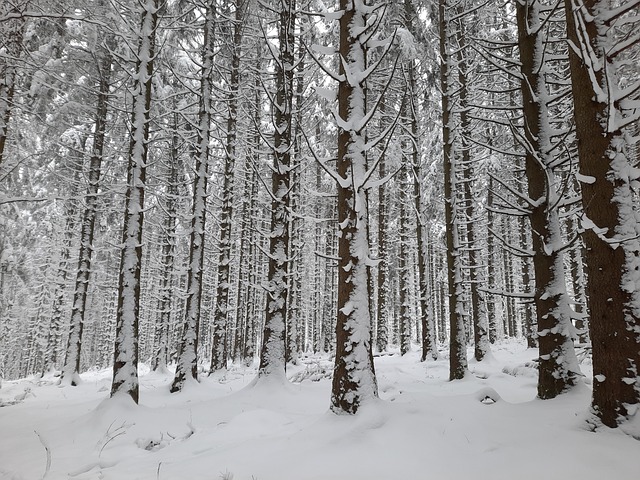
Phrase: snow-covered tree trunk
x=354 y=381
x=222 y=300
x=579 y=283
x=558 y=367
x=165 y=289
x=468 y=207
x=405 y=266
x=457 y=338
x=273 y=354
x=71 y=367
x=125 y=359
x=428 y=334
x=59 y=305
x=526 y=285
x=298 y=231
x=382 y=320
x=187 y=362
x=12 y=31
x=604 y=43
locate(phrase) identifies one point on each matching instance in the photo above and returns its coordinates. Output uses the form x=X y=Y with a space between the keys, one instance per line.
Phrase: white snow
x=487 y=426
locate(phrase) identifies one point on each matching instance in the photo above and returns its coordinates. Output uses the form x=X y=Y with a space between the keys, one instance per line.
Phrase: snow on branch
x=514 y=249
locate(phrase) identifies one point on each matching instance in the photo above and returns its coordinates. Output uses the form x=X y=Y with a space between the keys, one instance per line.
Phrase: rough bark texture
x=13 y=32
x=87 y=226
x=382 y=320
x=187 y=364
x=558 y=368
x=611 y=221
x=273 y=354
x=163 y=322
x=222 y=300
x=404 y=268
x=354 y=380
x=71 y=365
x=125 y=359
x=457 y=340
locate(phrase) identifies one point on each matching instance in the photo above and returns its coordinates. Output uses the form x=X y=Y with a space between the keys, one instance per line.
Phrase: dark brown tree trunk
x=610 y=216
x=558 y=368
x=354 y=380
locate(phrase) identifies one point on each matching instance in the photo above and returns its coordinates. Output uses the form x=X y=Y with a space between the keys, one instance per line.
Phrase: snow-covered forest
x=296 y=239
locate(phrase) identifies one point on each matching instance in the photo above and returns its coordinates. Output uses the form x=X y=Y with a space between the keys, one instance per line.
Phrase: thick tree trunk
x=125 y=359
x=558 y=367
x=610 y=216
x=354 y=380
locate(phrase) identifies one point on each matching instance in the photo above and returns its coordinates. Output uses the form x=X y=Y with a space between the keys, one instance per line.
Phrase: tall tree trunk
x=428 y=333
x=78 y=310
x=273 y=354
x=187 y=364
x=382 y=321
x=457 y=340
x=125 y=359
x=476 y=301
x=54 y=340
x=12 y=31
x=222 y=300
x=611 y=218
x=558 y=366
x=354 y=380
x=296 y=321
x=404 y=267
x=492 y=272
x=161 y=353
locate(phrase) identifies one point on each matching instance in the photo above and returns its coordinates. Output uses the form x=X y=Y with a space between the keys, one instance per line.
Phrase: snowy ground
x=424 y=427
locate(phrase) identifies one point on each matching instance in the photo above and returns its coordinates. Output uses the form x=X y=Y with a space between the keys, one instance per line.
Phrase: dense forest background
x=198 y=182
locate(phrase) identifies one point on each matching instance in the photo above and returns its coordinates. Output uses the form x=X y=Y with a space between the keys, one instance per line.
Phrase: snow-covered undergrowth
x=487 y=426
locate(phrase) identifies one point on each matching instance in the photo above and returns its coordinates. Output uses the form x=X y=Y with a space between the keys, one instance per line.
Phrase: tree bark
x=273 y=354
x=354 y=380
x=222 y=300
x=558 y=366
x=87 y=227
x=457 y=340
x=187 y=364
x=125 y=359
x=610 y=217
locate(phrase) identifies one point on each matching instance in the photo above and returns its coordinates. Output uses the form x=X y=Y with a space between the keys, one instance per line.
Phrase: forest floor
x=487 y=426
